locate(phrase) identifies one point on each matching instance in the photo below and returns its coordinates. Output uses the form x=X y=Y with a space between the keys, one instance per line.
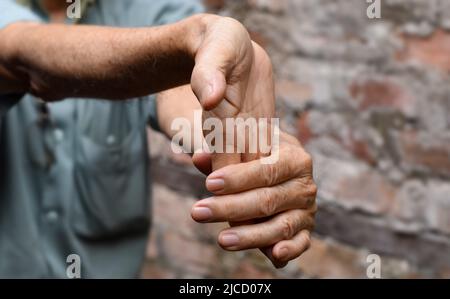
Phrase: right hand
x=232 y=77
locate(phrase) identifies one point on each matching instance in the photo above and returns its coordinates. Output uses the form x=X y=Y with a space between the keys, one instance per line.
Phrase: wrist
x=193 y=32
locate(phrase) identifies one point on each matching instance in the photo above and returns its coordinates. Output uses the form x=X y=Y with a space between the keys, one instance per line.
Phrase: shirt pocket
x=111 y=180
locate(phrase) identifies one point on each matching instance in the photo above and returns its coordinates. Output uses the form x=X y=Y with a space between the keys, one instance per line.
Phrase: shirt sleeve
x=11 y=12
x=175 y=10
x=159 y=12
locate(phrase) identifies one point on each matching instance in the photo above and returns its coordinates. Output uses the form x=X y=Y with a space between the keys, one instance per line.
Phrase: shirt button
x=52 y=216
x=111 y=139
x=59 y=135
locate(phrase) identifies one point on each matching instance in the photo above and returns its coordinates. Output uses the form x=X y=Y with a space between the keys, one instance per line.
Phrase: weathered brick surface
x=370 y=99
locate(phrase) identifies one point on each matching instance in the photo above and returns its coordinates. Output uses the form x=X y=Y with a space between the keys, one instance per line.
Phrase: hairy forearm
x=57 y=61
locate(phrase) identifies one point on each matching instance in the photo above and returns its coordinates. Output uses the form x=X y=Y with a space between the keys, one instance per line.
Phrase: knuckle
x=311 y=195
x=284 y=193
x=308 y=218
x=310 y=224
x=264 y=58
x=305 y=220
x=300 y=161
x=313 y=189
x=307 y=241
x=288 y=228
x=269 y=174
x=307 y=161
x=313 y=210
x=310 y=202
x=304 y=193
x=268 y=205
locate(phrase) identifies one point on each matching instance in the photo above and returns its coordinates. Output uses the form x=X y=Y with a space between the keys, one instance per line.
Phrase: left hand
x=269 y=206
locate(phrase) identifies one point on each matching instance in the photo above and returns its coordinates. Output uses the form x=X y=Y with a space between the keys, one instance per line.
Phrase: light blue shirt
x=77 y=182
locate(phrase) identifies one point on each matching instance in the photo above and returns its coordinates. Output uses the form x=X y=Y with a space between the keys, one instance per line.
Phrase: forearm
x=179 y=103
x=57 y=61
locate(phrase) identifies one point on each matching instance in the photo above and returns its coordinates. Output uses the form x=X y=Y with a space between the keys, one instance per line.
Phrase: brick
x=152 y=270
x=410 y=11
x=379 y=93
x=171 y=211
x=432 y=51
x=367 y=190
x=353 y=185
x=438 y=208
x=423 y=152
x=351 y=139
x=214 y=4
x=361 y=150
x=327 y=258
x=328 y=261
x=276 y=7
x=410 y=207
x=445 y=14
x=304 y=130
x=295 y=94
x=194 y=258
x=384 y=93
x=247 y=270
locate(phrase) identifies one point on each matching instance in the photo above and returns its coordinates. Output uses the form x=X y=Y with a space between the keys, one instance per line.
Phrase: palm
x=249 y=94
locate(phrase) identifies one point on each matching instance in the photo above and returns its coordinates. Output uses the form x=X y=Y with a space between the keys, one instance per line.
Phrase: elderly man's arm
x=57 y=61
x=174 y=104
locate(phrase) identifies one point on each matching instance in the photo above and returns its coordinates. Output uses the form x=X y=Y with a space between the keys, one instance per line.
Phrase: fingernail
x=202 y=214
x=283 y=253
x=215 y=185
x=229 y=239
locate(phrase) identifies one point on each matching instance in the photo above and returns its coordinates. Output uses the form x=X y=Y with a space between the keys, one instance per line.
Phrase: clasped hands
x=268 y=206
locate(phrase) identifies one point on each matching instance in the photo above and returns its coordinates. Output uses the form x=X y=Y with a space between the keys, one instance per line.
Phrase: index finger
x=293 y=162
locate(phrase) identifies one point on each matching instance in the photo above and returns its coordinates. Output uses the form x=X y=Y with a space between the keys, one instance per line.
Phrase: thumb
x=208 y=81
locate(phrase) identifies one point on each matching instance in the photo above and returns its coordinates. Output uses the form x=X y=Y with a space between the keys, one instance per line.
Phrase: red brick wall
x=370 y=99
